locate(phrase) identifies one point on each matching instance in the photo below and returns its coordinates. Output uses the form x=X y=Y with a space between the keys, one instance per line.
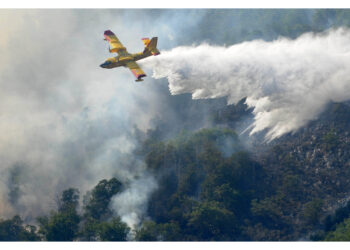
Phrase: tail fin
x=151 y=45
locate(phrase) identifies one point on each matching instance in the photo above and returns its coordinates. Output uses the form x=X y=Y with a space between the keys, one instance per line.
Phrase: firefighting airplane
x=126 y=59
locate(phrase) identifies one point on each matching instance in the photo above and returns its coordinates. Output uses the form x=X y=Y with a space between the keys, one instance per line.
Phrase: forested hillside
x=212 y=188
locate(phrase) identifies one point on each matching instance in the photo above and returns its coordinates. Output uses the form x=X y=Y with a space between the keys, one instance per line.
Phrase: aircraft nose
x=105 y=64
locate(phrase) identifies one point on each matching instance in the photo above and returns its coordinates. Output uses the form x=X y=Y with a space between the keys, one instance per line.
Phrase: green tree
x=89 y=229
x=151 y=231
x=170 y=232
x=69 y=199
x=208 y=221
x=62 y=225
x=14 y=230
x=312 y=211
x=147 y=232
x=96 y=223
x=114 y=230
x=342 y=232
x=97 y=202
x=268 y=212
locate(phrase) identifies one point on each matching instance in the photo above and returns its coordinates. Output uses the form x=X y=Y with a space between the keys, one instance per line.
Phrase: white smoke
x=64 y=121
x=131 y=204
x=287 y=82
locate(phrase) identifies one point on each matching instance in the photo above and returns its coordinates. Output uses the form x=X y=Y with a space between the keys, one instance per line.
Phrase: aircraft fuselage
x=121 y=60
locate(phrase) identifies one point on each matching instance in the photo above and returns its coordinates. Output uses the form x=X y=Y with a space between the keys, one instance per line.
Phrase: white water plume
x=286 y=82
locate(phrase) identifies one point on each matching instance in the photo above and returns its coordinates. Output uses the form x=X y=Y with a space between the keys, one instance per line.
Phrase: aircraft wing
x=114 y=43
x=136 y=70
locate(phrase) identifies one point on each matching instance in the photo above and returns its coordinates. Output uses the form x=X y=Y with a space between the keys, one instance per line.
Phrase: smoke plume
x=286 y=82
x=64 y=121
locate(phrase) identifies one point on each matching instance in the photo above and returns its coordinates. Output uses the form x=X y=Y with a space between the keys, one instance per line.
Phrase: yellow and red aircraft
x=126 y=59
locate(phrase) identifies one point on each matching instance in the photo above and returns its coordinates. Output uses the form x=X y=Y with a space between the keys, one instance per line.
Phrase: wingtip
x=108 y=33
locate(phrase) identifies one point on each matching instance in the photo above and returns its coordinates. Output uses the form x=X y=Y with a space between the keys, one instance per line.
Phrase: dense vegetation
x=66 y=224
x=282 y=191
x=210 y=188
